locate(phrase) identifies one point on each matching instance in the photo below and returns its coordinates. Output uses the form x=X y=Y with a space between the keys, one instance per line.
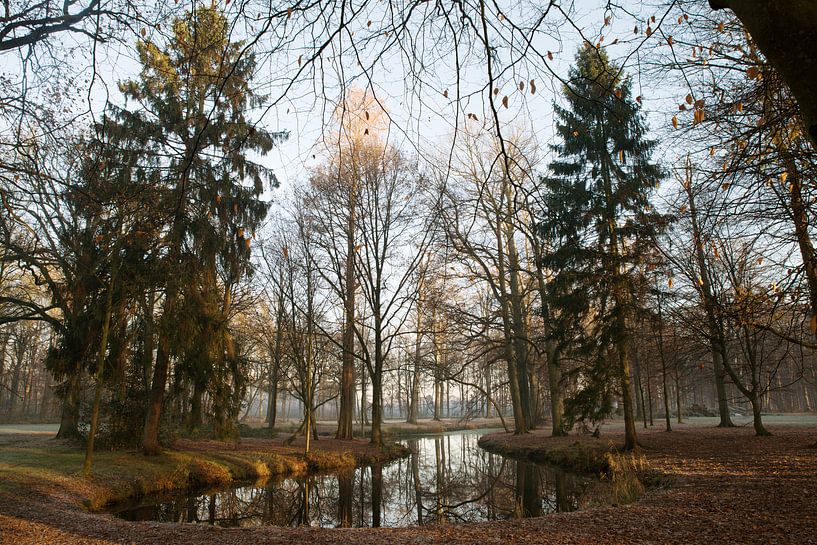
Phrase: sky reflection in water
x=447 y=479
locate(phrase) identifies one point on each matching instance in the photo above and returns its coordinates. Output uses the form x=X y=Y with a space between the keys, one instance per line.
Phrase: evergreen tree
x=599 y=221
x=193 y=94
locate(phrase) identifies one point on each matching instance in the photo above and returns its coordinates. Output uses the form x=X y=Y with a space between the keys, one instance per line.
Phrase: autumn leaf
x=674 y=122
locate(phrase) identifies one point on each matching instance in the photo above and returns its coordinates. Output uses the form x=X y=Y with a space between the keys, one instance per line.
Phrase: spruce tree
x=599 y=222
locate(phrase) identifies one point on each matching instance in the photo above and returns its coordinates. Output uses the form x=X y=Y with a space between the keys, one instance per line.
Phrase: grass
x=622 y=475
x=53 y=468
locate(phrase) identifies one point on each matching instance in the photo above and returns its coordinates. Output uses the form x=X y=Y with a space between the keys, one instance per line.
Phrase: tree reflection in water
x=447 y=479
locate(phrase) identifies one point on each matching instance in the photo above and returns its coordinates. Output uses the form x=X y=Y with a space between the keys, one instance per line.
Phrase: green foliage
x=597 y=221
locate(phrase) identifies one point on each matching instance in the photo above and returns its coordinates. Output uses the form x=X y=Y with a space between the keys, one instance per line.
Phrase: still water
x=447 y=479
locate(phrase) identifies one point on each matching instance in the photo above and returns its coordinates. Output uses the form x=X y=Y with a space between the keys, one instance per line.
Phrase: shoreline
x=718 y=477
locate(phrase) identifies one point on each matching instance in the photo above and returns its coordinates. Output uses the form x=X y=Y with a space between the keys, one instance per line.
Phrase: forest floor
x=720 y=486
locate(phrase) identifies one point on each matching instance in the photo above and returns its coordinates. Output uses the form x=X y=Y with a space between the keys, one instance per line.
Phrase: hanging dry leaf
x=505 y=101
x=689 y=99
x=674 y=122
x=550 y=56
x=669 y=40
x=532 y=86
x=445 y=93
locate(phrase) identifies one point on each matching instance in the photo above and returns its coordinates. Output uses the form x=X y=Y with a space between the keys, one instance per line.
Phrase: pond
x=447 y=478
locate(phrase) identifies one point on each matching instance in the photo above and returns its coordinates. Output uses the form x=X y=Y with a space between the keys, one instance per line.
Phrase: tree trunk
x=630 y=437
x=557 y=409
x=414 y=402
x=377 y=388
x=69 y=421
x=100 y=368
x=347 y=379
x=756 y=417
x=718 y=347
x=150 y=435
x=801 y=232
x=665 y=390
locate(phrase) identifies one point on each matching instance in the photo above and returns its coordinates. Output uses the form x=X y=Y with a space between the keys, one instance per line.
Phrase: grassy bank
x=623 y=476
x=48 y=467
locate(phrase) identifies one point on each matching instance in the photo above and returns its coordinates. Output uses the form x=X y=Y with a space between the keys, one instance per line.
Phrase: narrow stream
x=448 y=478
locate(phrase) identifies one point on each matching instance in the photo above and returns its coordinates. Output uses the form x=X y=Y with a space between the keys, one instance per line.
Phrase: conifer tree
x=192 y=97
x=599 y=214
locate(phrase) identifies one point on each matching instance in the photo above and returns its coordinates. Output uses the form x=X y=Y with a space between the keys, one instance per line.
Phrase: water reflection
x=447 y=479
